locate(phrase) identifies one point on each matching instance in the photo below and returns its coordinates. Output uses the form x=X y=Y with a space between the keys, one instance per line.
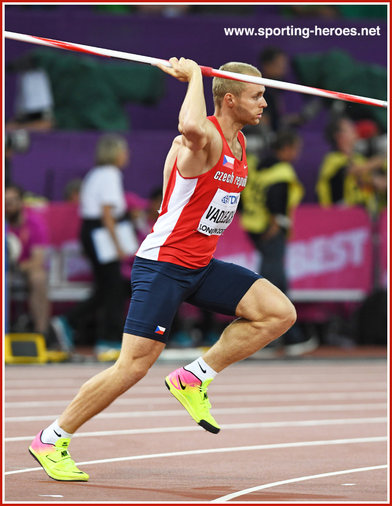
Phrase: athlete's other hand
x=182 y=69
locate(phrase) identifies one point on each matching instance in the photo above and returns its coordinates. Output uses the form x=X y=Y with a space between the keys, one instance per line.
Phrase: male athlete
x=204 y=174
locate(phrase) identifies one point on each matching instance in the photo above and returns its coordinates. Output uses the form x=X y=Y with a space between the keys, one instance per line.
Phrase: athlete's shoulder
x=176 y=144
x=177 y=140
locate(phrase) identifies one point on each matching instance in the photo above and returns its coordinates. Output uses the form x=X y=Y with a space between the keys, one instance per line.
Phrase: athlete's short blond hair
x=221 y=86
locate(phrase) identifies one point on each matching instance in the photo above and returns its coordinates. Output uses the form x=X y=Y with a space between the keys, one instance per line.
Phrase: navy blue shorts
x=158 y=289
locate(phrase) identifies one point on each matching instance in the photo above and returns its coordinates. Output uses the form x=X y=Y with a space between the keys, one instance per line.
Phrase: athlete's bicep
x=193 y=162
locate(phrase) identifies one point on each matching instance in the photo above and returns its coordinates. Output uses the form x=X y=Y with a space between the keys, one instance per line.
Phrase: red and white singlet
x=196 y=211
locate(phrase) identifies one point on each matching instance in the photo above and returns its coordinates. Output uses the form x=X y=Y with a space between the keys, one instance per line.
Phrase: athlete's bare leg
x=137 y=355
x=265 y=313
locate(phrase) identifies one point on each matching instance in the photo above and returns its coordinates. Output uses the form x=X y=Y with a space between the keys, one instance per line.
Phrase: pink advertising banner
x=383 y=249
x=330 y=248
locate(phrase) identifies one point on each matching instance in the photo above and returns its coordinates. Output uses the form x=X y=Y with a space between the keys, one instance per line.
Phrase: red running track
x=295 y=432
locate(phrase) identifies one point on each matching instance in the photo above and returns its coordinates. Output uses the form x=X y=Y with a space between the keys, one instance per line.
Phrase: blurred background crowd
x=85 y=141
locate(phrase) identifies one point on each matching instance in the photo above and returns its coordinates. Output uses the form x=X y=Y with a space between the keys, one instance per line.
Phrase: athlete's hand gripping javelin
x=196 y=131
x=182 y=69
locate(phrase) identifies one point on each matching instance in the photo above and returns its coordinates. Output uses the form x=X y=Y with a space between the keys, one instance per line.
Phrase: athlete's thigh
x=223 y=286
x=263 y=300
x=157 y=293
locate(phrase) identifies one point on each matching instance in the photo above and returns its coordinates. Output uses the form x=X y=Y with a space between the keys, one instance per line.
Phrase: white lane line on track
x=273 y=446
x=163 y=399
x=246 y=491
x=295 y=368
x=230 y=426
x=295 y=382
x=246 y=387
x=181 y=412
x=344 y=396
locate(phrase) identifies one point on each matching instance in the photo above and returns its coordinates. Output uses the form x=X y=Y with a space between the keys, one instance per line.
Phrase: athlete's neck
x=229 y=128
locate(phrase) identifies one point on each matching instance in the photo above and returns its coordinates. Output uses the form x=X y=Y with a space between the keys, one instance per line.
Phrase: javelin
x=207 y=71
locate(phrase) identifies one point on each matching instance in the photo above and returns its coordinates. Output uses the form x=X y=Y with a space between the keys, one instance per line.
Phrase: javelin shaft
x=309 y=90
x=207 y=71
x=81 y=48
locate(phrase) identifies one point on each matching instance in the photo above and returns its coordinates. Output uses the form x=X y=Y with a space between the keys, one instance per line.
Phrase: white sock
x=201 y=369
x=54 y=432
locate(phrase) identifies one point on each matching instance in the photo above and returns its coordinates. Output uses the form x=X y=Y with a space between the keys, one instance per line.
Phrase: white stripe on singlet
x=165 y=224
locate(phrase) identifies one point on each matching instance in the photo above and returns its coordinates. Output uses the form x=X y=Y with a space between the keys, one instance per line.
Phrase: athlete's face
x=249 y=105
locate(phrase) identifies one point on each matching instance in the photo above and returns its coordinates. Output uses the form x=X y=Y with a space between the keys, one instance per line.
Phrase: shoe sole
x=32 y=452
x=203 y=423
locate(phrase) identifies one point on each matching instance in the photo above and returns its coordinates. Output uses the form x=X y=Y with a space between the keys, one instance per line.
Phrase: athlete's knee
x=283 y=309
x=137 y=355
x=279 y=317
x=130 y=369
x=288 y=315
x=127 y=376
x=139 y=368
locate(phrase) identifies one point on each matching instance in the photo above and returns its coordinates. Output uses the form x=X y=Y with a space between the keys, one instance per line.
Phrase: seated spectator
x=16 y=141
x=100 y=89
x=272 y=193
x=27 y=231
x=34 y=99
x=72 y=190
x=347 y=177
x=337 y=69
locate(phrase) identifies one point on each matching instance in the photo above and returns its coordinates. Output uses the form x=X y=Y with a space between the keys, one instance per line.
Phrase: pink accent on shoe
x=187 y=378
x=38 y=446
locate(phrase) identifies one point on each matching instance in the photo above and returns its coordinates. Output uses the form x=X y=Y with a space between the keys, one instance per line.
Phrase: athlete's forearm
x=192 y=121
x=193 y=113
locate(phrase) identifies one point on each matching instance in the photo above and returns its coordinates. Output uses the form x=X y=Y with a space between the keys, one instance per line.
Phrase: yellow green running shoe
x=56 y=460
x=192 y=393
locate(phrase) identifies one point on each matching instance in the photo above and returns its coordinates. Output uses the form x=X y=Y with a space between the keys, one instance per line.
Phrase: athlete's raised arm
x=193 y=124
x=196 y=130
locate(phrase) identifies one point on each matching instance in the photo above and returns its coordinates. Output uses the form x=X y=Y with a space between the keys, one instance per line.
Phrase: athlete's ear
x=229 y=99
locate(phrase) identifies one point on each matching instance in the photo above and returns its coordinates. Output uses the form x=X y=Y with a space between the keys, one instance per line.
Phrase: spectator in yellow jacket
x=347 y=177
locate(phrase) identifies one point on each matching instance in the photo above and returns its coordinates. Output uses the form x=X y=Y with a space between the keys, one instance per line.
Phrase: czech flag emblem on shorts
x=160 y=330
